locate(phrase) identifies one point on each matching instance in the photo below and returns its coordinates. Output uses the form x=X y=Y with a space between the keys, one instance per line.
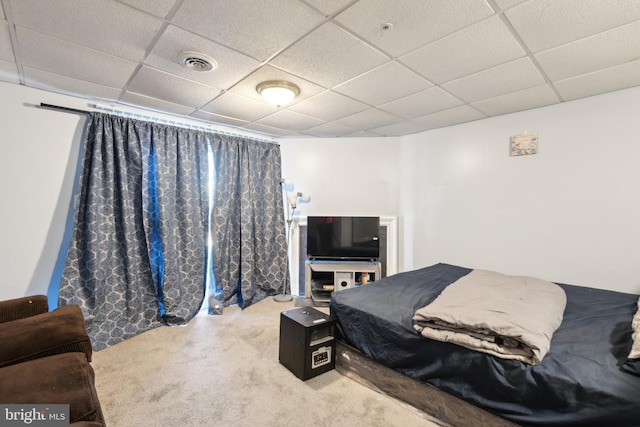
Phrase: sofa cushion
x=58 y=331
x=17 y=308
x=66 y=378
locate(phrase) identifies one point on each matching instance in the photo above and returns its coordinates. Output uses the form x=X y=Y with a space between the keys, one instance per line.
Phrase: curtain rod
x=67 y=109
x=203 y=126
x=149 y=118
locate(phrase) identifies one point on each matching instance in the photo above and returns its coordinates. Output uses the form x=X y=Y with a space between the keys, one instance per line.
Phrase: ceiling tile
x=506 y=4
x=161 y=85
x=6 y=50
x=329 y=105
x=232 y=105
x=106 y=26
x=425 y=102
x=267 y=130
x=402 y=128
x=478 y=47
x=336 y=51
x=526 y=99
x=329 y=56
x=290 y=120
x=510 y=77
x=247 y=25
x=61 y=84
x=329 y=130
x=362 y=134
x=384 y=84
x=328 y=7
x=159 y=8
x=450 y=117
x=415 y=22
x=150 y=103
x=544 y=24
x=610 y=79
x=9 y=72
x=368 y=119
x=230 y=121
x=232 y=66
x=594 y=53
x=72 y=60
x=247 y=87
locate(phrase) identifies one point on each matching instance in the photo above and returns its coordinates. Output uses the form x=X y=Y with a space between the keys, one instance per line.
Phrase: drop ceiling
x=364 y=67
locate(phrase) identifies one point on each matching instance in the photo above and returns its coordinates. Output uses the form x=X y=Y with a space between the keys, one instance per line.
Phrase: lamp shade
x=278 y=92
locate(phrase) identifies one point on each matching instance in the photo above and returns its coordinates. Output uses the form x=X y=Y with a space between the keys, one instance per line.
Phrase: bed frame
x=580 y=382
x=445 y=409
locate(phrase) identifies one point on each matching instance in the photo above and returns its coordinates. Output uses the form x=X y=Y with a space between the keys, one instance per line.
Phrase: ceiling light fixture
x=278 y=92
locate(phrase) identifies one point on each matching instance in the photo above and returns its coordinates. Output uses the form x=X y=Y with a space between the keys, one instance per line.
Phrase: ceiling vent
x=198 y=61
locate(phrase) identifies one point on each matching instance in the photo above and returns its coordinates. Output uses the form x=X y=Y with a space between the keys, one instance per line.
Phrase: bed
x=585 y=378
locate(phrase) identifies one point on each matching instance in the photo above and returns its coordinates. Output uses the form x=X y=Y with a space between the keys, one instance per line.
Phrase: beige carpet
x=224 y=371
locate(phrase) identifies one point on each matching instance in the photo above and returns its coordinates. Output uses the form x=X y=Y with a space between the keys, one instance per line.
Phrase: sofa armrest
x=62 y=330
x=59 y=379
x=19 y=308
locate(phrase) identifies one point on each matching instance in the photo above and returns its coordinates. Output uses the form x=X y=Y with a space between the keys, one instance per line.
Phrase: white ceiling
x=442 y=62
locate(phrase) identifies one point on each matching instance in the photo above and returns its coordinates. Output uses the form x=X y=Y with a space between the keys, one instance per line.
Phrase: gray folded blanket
x=512 y=317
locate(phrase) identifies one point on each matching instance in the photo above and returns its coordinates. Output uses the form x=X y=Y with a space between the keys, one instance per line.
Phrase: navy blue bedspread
x=579 y=382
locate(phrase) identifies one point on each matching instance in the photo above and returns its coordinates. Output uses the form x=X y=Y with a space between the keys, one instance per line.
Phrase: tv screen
x=343 y=237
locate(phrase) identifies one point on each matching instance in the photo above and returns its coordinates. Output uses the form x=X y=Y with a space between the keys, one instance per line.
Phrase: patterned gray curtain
x=248 y=225
x=181 y=209
x=137 y=254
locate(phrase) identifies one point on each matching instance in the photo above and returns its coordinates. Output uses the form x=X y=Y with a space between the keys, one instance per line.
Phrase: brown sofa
x=45 y=359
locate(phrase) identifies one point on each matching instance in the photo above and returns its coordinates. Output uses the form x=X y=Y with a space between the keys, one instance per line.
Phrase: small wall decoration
x=524 y=144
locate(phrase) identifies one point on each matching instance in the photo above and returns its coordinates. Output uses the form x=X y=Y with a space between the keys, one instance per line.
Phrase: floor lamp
x=291 y=202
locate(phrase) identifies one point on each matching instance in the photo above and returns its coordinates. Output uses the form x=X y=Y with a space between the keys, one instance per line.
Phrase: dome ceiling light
x=278 y=92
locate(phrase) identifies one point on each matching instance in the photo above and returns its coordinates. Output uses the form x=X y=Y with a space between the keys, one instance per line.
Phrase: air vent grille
x=198 y=61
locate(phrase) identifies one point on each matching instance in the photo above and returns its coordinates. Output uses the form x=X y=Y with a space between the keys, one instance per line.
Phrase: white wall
x=570 y=213
x=38 y=166
x=39 y=153
x=343 y=176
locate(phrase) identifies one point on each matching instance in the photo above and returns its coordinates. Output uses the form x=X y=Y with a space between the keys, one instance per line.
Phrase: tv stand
x=322 y=277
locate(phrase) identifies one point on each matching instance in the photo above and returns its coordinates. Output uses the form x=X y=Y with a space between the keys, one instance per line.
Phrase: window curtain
x=248 y=225
x=138 y=253
x=176 y=203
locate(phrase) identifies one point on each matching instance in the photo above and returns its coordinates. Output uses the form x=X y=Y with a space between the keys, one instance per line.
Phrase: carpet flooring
x=223 y=370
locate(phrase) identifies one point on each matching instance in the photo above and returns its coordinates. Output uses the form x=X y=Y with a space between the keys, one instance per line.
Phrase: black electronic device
x=307 y=342
x=343 y=237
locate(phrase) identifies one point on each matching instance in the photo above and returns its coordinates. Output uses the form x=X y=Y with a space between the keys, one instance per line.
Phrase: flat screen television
x=343 y=237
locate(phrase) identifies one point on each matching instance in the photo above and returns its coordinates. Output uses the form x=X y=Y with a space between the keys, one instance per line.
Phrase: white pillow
x=635 y=324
